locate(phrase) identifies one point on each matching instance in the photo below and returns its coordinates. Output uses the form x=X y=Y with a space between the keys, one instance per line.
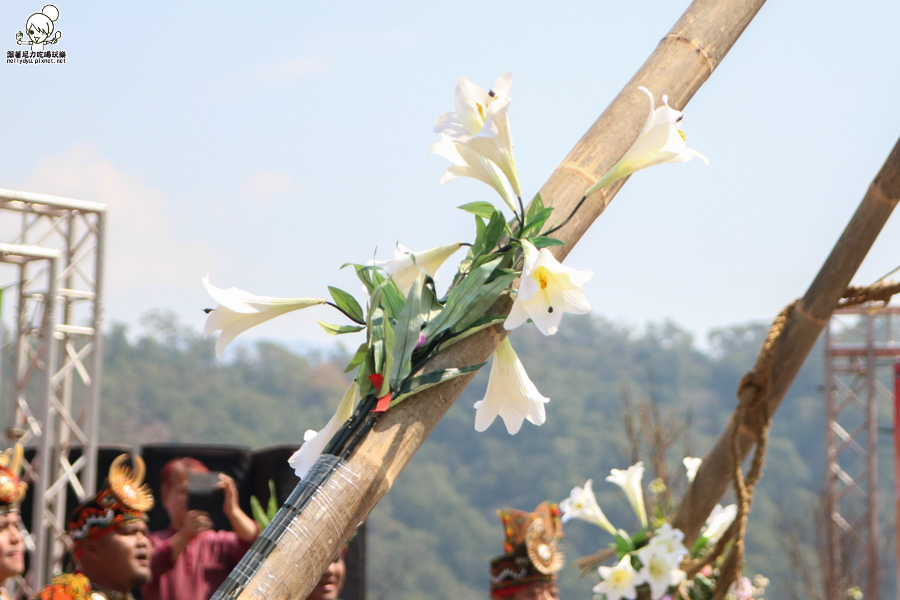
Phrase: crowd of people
x=116 y=557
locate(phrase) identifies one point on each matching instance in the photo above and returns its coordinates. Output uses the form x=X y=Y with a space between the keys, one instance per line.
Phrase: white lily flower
x=476 y=138
x=406 y=264
x=474 y=107
x=582 y=504
x=666 y=542
x=661 y=558
x=659 y=574
x=618 y=581
x=718 y=522
x=660 y=141
x=630 y=482
x=690 y=466
x=510 y=394
x=547 y=289
x=314 y=442
x=238 y=311
x=468 y=162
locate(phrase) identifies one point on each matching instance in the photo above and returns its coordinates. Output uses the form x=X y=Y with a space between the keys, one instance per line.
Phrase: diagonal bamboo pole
x=287 y=559
x=801 y=329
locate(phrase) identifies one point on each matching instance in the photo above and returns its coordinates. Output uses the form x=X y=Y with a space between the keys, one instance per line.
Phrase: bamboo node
x=879 y=196
x=801 y=311
x=580 y=171
x=702 y=51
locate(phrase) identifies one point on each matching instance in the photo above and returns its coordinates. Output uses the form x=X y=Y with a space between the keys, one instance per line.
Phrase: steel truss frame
x=861 y=345
x=57 y=247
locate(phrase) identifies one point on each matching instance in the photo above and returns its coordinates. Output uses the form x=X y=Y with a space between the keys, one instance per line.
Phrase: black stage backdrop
x=251 y=469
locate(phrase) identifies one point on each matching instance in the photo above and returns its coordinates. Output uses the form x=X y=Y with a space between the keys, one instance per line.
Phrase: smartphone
x=202 y=492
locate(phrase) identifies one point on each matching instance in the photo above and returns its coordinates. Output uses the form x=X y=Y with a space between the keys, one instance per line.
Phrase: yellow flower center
x=482 y=107
x=681 y=133
x=620 y=577
x=543 y=276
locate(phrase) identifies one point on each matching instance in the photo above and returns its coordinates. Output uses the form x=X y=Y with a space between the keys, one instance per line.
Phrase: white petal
x=510 y=394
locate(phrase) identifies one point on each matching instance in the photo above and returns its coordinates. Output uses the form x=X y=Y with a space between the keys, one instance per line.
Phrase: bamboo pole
x=802 y=328
x=319 y=519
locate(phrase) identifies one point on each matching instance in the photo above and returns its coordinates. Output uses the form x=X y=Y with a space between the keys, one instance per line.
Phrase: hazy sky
x=268 y=145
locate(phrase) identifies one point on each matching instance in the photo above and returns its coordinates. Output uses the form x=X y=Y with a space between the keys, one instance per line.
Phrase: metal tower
x=861 y=345
x=56 y=249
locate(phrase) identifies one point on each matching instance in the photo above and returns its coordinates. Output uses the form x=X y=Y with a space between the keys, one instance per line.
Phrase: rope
x=879 y=292
x=752 y=393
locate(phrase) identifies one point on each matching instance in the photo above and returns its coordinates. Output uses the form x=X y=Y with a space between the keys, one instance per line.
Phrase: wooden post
x=322 y=513
x=803 y=326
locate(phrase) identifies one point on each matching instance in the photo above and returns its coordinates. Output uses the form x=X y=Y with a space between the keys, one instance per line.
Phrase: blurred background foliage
x=433 y=535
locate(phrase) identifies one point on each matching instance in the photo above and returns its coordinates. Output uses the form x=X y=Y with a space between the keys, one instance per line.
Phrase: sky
x=269 y=145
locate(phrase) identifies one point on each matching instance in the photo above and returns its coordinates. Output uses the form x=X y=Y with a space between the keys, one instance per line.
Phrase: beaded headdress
x=124 y=498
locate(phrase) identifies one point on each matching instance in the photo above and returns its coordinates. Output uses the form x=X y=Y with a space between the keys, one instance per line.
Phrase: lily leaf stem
x=345 y=313
x=569 y=218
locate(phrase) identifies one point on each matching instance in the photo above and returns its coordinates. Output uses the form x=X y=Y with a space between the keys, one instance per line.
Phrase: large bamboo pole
x=287 y=559
x=803 y=326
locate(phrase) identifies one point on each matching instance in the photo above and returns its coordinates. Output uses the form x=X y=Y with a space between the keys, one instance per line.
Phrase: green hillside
x=434 y=533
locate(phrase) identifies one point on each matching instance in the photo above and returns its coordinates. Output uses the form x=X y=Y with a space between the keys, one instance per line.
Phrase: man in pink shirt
x=191 y=560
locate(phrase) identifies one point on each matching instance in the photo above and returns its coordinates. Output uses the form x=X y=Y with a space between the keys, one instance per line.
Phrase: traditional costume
x=531 y=549
x=12 y=492
x=124 y=498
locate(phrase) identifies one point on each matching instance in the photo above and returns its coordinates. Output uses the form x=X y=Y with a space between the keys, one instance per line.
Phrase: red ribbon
x=385 y=401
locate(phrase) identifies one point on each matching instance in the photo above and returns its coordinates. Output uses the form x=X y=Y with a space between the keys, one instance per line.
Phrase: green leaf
x=479 y=209
x=272 y=509
x=347 y=304
x=487 y=235
x=387 y=295
x=639 y=539
x=461 y=299
x=478 y=325
x=420 y=383
x=409 y=326
x=544 y=242
x=699 y=545
x=263 y=518
x=375 y=354
x=623 y=544
x=480 y=304
x=537 y=221
x=388 y=353
x=495 y=230
x=701 y=588
x=258 y=514
x=359 y=358
x=536 y=206
x=364 y=274
x=339 y=329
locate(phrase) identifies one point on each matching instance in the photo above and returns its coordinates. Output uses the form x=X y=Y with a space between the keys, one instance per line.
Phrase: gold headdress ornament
x=12 y=489
x=128 y=485
x=124 y=498
x=531 y=548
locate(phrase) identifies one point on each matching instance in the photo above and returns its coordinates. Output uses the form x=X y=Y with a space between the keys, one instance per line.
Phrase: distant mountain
x=433 y=535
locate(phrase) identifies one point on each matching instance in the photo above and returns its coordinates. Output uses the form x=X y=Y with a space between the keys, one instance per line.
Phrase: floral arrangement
x=407 y=322
x=654 y=562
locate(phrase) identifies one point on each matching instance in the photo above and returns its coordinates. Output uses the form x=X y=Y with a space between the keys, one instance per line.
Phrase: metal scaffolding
x=861 y=345
x=56 y=247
